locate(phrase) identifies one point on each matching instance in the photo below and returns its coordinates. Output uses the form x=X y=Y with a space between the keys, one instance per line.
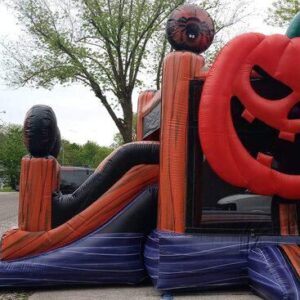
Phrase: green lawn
x=6 y=189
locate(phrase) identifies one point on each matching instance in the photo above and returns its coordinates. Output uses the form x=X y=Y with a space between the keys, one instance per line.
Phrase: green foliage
x=107 y=45
x=70 y=154
x=118 y=139
x=101 y=43
x=6 y=189
x=282 y=12
x=12 y=150
x=90 y=154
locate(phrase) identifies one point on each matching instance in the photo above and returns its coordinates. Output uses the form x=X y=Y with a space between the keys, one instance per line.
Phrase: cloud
x=80 y=115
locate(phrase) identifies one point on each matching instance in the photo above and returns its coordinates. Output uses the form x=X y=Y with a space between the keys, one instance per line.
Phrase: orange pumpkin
x=254 y=86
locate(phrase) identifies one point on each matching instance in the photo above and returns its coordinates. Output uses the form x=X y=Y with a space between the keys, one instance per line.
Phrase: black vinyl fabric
x=139 y=216
x=57 y=144
x=71 y=178
x=151 y=121
x=41 y=134
x=215 y=206
x=65 y=207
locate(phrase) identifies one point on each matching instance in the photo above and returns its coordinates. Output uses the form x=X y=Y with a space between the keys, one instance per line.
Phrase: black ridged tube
x=65 y=207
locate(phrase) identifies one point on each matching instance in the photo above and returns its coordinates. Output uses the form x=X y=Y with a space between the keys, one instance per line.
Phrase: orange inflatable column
x=39 y=179
x=288 y=219
x=179 y=69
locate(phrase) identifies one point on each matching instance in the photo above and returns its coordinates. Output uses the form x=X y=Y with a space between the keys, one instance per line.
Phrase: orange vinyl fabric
x=39 y=179
x=289 y=226
x=19 y=243
x=143 y=99
x=277 y=55
x=293 y=254
x=230 y=76
x=288 y=219
x=150 y=104
x=179 y=68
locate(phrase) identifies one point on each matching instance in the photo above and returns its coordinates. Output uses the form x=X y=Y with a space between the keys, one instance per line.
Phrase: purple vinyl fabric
x=102 y=257
x=202 y=261
x=95 y=259
x=173 y=261
x=181 y=261
x=271 y=275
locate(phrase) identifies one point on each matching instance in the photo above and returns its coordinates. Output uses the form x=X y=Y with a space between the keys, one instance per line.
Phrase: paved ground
x=133 y=293
x=8 y=218
x=8 y=210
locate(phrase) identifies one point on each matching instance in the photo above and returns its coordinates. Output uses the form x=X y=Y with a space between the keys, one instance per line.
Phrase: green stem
x=294 y=28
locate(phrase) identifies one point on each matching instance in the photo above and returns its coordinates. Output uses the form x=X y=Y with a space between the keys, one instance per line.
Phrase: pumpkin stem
x=294 y=28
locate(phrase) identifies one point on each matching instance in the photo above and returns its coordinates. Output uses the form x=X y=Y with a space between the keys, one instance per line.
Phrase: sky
x=80 y=115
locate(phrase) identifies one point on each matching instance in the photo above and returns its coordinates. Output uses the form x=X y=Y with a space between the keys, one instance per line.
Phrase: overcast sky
x=80 y=115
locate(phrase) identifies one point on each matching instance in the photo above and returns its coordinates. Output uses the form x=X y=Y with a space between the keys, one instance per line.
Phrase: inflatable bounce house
x=209 y=195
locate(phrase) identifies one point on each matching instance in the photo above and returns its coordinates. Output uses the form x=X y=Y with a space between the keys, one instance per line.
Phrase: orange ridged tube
x=39 y=179
x=179 y=68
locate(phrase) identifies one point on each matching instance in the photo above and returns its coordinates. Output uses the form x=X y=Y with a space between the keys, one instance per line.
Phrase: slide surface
x=101 y=257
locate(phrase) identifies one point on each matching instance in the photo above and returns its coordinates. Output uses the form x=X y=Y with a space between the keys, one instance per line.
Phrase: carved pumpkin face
x=250 y=114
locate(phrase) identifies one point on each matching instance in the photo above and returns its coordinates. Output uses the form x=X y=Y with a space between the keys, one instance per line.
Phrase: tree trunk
x=160 y=63
x=126 y=130
x=13 y=182
x=127 y=135
x=124 y=125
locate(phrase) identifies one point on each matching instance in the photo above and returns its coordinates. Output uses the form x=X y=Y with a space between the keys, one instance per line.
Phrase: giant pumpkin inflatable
x=249 y=131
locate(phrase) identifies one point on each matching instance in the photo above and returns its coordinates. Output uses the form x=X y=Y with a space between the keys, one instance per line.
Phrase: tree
x=226 y=15
x=282 y=11
x=118 y=140
x=101 y=43
x=12 y=150
x=104 y=44
x=230 y=18
x=70 y=154
x=90 y=154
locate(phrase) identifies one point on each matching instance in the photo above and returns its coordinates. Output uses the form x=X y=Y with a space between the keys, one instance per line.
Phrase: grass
x=6 y=189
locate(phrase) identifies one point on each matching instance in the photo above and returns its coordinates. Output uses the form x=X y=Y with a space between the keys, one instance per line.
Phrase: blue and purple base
x=172 y=261
x=271 y=274
x=204 y=262
x=96 y=259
